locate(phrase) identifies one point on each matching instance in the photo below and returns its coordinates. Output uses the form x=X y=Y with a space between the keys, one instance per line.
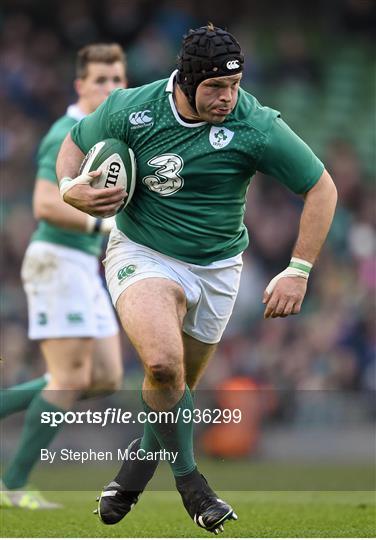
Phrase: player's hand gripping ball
x=117 y=164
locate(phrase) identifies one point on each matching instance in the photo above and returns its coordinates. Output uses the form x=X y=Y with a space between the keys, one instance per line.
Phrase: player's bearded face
x=216 y=98
x=101 y=79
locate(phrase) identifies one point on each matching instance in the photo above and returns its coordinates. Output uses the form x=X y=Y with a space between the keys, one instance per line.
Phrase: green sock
x=18 y=398
x=35 y=436
x=177 y=436
x=149 y=442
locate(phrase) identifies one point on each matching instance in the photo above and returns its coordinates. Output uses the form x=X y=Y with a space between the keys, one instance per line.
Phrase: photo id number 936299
x=211 y=416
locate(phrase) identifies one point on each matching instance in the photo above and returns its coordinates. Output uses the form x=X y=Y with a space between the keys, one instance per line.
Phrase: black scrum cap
x=207 y=52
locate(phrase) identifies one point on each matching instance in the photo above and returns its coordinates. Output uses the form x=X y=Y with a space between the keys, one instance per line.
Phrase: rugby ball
x=117 y=164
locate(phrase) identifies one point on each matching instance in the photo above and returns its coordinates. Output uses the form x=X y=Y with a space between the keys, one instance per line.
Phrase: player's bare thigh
x=152 y=312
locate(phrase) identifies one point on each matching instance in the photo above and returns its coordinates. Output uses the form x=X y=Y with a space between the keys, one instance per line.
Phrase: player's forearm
x=317 y=216
x=61 y=214
x=69 y=159
x=67 y=217
x=48 y=205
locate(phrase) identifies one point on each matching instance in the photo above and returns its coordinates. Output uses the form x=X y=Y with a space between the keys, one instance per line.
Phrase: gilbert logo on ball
x=117 y=164
x=113 y=174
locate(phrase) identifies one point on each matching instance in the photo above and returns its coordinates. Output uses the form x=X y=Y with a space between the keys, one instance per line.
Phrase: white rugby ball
x=117 y=164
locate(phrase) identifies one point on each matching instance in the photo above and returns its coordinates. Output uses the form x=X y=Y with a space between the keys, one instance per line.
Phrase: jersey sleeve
x=47 y=155
x=289 y=159
x=93 y=128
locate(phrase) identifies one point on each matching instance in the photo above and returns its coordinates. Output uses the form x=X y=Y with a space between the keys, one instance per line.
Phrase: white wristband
x=67 y=183
x=296 y=268
x=99 y=225
x=107 y=224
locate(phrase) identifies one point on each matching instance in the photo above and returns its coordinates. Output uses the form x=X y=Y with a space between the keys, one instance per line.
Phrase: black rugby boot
x=202 y=504
x=116 y=500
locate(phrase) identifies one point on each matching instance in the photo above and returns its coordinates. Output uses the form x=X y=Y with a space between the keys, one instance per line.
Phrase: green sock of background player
x=35 y=436
x=18 y=398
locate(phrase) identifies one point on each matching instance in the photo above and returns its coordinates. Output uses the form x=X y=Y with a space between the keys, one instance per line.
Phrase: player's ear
x=77 y=84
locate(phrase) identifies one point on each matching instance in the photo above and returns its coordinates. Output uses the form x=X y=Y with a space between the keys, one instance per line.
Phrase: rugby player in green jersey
x=69 y=309
x=198 y=139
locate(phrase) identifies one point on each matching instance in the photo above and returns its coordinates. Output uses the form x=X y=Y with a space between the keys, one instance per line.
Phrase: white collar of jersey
x=170 y=83
x=170 y=89
x=75 y=112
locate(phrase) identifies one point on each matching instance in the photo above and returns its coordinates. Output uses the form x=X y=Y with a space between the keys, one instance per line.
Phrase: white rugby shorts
x=210 y=290
x=65 y=294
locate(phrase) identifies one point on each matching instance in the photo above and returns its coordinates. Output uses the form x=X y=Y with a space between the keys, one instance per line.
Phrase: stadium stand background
x=312 y=61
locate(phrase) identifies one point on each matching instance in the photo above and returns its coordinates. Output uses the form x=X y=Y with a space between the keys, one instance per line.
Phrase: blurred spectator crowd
x=308 y=65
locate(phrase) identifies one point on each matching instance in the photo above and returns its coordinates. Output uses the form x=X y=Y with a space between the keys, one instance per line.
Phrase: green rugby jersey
x=47 y=154
x=192 y=179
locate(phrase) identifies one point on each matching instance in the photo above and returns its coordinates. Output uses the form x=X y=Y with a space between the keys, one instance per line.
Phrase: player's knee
x=165 y=373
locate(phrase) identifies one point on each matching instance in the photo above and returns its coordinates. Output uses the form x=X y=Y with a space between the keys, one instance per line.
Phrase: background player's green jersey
x=192 y=178
x=47 y=154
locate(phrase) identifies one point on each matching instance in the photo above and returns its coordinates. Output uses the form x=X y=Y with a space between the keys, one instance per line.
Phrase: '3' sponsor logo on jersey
x=166 y=180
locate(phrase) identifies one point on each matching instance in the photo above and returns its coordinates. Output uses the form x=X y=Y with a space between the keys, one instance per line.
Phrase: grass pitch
x=161 y=514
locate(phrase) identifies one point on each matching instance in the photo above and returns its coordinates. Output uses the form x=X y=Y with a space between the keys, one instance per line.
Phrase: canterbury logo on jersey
x=141 y=119
x=232 y=64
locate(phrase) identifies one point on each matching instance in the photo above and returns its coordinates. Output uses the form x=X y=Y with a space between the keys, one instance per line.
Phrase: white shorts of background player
x=65 y=293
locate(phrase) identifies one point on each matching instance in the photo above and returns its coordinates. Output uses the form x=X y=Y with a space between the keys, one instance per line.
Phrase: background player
x=183 y=230
x=69 y=309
